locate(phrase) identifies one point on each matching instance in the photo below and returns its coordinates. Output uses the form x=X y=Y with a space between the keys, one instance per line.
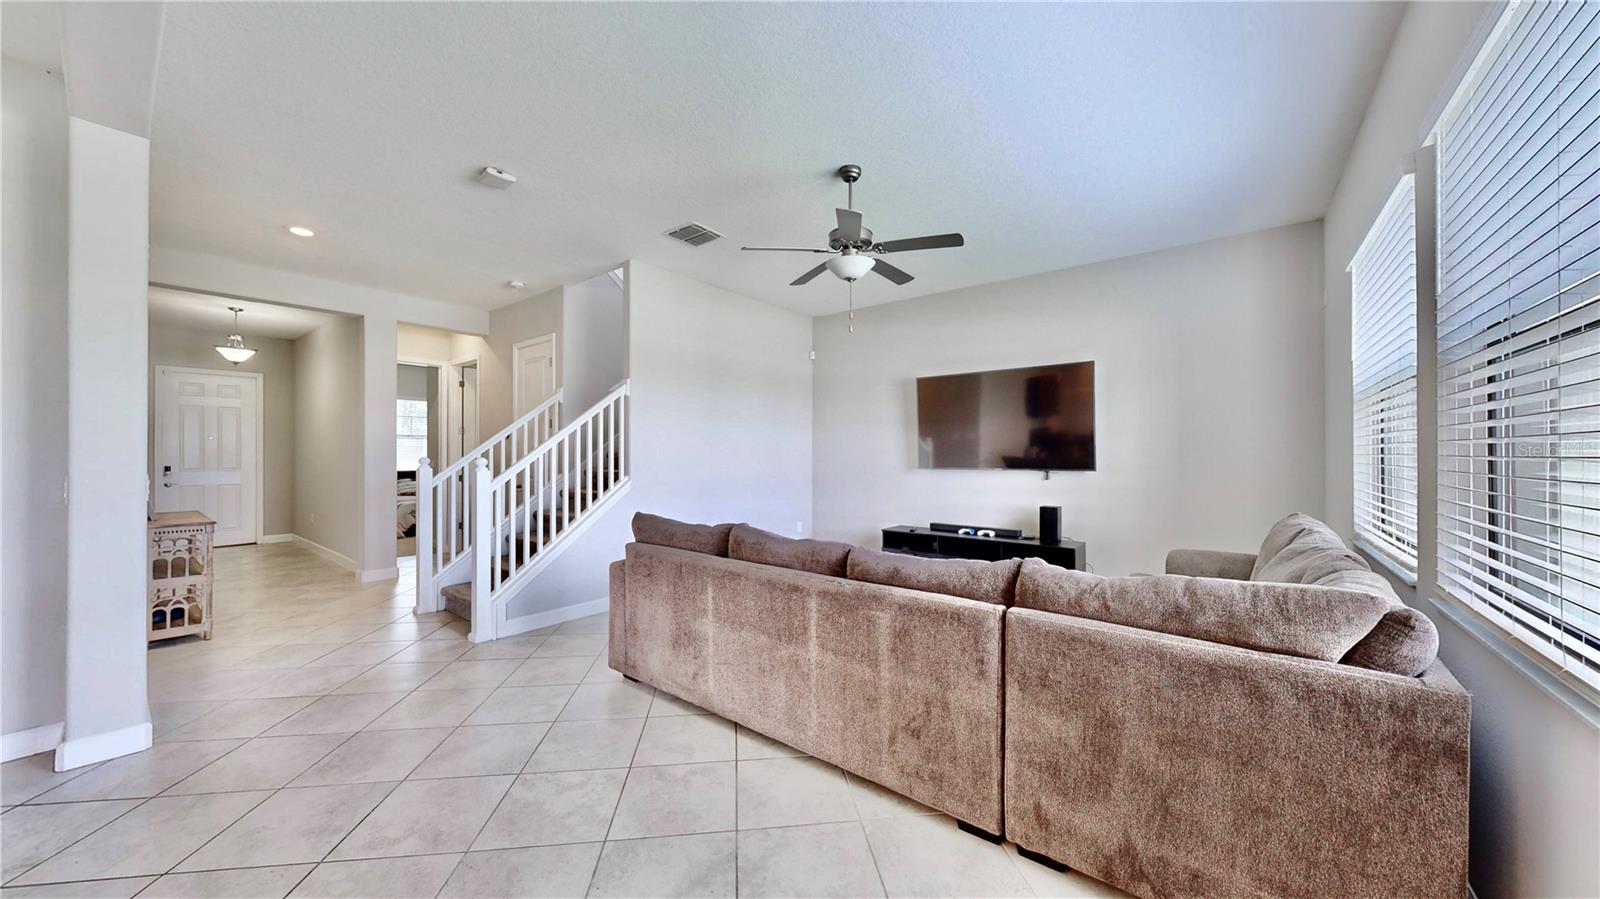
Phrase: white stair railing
x=444 y=500
x=543 y=497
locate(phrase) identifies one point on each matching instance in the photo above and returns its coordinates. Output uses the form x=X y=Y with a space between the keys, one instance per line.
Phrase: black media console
x=939 y=544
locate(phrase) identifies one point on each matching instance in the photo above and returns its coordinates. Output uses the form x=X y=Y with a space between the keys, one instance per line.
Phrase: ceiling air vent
x=694 y=234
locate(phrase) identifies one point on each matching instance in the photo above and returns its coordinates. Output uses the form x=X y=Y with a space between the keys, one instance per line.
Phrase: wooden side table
x=180 y=575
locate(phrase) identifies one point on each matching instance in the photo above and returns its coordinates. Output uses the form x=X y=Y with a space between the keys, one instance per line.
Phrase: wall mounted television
x=1038 y=419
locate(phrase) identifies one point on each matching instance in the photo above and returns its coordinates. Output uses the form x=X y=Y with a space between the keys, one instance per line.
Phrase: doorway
x=534 y=364
x=208 y=449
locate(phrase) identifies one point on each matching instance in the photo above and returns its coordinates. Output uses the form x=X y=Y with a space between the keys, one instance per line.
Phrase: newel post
x=483 y=550
x=427 y=597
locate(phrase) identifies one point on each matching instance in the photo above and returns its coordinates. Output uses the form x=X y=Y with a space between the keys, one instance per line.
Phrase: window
x=1383 y=279
x=410 y=432
x=1519 y=334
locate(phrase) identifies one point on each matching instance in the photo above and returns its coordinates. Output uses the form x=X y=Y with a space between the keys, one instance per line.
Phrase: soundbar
x=972 y=530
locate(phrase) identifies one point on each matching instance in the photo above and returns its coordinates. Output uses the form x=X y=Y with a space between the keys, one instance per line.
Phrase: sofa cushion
x=994 y=582
x=817 y=556
x=1404 y=642
x=1302 y=550
x=1312 y=622
x=711 y=539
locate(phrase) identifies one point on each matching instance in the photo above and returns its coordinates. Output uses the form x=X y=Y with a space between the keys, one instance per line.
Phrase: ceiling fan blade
x=890 y=272
x=849 y=224
x=787 y=249
x=931 y=242
x=808 y=275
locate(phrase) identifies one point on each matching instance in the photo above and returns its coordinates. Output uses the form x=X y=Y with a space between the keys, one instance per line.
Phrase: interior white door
x=535 y=362
x=206 y=449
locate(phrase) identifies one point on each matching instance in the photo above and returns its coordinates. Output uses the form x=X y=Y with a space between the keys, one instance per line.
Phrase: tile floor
x=328 y=742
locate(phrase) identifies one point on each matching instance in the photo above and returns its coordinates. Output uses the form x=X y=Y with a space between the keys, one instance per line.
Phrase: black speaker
x=1049 y=524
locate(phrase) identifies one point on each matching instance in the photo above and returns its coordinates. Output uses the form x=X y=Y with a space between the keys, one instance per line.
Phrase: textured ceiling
x=1051 y=135
x=205 y=312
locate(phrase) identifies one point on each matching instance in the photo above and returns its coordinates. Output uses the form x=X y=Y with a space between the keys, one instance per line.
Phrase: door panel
x=536 y=373
x=206 y=449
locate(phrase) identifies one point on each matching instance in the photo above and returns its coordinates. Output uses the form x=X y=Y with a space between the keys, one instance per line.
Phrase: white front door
x=206 y=448
x=535 y=365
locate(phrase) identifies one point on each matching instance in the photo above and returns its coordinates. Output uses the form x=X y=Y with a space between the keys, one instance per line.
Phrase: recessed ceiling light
x=516 y=285
x=301 y=231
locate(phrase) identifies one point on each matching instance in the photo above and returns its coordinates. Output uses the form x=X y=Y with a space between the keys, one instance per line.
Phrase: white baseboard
x=378 y=574
x=97 y=748
x=32 y=741
x=337 y=558
x=524 y=623
x=275 y=538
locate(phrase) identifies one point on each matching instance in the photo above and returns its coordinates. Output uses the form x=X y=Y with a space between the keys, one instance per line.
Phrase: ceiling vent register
x=694 y=234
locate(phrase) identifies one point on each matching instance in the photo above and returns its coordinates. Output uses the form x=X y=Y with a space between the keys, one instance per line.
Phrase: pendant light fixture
x=234 y=349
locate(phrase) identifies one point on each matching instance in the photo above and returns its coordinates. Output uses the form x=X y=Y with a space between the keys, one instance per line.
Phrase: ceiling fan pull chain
x=852 y=286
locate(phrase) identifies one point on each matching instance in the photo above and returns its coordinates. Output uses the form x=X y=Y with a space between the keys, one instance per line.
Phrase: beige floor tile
x=622 y=700
x=539 y=872
x=32 y=833
x=122 y=888
x=675 y=799
x=239 y=719
x=389 y=678
x=813 y=860
x=752 y=745
x=518 y=647
x=374 y=757
x=265 y=763
x=785 y=792
x=874 y=801
x=341 y=714
x=143 y=773
x=434 y=651
x=601 y=672
x=166 y=717
x=431 y=708
x=927 y=856
x=557 y=807
x=23 y=779
x=359 y=654
x=461 y=675
x=292 y=827
x=479 y=751
x=238 y=883
x=426 y=816
x=544 y=672
x=586 y=645
x=702 y=866
x=402 y=630
x=338 y=633
x=592 y=624
x=1046 y=882
x=580 y=745
x=308 y=681
x=521 y=705
x=288 y=655
x=416 y=877
x=665 y=705
x=147 y=840
x=684 y=739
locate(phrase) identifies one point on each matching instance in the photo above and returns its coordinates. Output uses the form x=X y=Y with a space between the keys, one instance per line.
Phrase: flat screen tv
x=1039 y=418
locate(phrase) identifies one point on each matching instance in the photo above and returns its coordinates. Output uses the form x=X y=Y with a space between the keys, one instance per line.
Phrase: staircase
x=488 y=523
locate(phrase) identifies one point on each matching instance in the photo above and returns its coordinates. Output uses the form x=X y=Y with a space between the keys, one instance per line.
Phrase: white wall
x=593 y=342
x=33 y=401
x=1535 y=739
x=1208 y=396
x=328 y=439
x=534 y=317
x=274 y=359
x=719 y=424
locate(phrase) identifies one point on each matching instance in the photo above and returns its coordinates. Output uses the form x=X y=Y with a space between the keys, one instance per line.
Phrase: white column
x=108 y=214
x=427 y=599
x=379 y=382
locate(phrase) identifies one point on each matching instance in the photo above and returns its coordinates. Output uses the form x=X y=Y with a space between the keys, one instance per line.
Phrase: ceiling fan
x=853 y=250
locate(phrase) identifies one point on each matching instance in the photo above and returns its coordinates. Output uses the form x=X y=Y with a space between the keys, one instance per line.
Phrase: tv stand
x=914 y=541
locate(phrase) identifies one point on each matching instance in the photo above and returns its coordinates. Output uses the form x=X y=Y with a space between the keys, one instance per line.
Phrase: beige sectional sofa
x=1272 y=724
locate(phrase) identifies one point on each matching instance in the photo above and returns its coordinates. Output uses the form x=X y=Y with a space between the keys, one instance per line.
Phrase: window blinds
x=1519 y=334
x=1383 y=280
x=410 y=432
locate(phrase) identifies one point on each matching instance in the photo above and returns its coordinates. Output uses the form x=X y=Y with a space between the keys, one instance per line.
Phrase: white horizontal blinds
x=410 y=433
x=1519 y=334
x=1383 y=281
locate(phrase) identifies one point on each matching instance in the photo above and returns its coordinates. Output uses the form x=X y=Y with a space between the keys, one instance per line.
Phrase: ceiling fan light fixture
x=233 y=349
x=850 y=266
